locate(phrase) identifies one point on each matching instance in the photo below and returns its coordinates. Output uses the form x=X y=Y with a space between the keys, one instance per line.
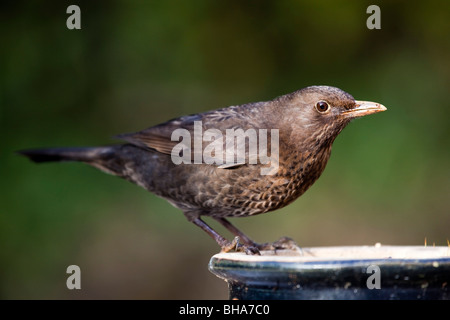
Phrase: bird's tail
x=109 y=159
x=124 y=160
x=84 y=154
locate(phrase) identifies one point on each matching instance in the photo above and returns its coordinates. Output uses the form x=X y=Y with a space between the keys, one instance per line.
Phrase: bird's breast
x=296 y=174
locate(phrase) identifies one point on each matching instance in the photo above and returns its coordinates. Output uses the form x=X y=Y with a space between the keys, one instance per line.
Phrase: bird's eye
x=322 y=106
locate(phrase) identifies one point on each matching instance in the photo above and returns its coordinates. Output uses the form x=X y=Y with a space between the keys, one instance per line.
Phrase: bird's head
x=321 y=112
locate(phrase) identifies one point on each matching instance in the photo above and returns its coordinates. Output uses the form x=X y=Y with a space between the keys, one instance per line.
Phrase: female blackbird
x=302 y=126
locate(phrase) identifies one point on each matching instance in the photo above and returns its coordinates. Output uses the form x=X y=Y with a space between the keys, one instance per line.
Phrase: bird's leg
x=221 y=241
x=226 y=245
x=236 y=232
x=282 y=243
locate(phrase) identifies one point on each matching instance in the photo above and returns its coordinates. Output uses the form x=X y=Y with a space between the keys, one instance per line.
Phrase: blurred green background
x=135 y=64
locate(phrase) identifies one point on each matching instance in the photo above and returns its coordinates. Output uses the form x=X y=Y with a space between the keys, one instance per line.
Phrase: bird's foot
x=284 y=243
x=235 y=245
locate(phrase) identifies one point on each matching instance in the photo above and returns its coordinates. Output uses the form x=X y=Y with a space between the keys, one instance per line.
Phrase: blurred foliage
x=137 y=63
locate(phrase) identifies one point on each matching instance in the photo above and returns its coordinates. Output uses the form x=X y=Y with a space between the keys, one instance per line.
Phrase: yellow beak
x=363 y=108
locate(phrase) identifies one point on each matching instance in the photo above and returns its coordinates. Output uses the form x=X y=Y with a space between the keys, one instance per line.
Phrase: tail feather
x=124 y=160
x=85 y=154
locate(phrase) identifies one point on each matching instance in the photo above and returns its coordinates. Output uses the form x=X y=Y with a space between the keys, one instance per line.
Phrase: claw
x=251 y=250
x=230 y=246
x=284 y=243
x=236 y=246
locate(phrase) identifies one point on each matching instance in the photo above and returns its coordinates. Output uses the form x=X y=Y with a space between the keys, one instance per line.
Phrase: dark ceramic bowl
x=346 y=273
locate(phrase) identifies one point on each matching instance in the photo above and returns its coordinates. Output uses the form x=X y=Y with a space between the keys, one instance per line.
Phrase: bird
x=207 y=177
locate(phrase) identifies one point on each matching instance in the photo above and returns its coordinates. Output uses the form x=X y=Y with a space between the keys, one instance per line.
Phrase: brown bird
x=207 y=176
